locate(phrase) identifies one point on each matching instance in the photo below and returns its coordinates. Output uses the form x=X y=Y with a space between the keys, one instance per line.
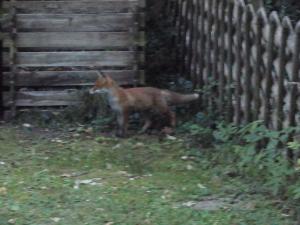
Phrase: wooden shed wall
x=55 y=46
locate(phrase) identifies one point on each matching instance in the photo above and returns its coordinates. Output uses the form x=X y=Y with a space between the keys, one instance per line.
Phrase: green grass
x=143 y=181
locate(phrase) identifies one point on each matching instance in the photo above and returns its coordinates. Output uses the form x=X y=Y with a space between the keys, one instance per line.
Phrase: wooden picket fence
x=246 y=62
x=52 y=49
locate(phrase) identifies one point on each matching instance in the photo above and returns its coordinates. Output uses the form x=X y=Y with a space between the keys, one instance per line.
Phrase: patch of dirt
x=213 y=203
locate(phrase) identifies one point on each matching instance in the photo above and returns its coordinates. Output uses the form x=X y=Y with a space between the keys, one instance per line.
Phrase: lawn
x=70 y=178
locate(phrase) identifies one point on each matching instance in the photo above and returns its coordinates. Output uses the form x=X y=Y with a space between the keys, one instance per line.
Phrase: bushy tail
x=175 y=98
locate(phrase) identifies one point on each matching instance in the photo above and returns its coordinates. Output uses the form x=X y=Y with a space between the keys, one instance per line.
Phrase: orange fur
x=122 y=101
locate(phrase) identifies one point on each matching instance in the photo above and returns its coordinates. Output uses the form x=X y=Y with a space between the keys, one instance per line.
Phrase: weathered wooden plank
x=76 y=22
x=73 y=59
x=64 y=7
x=43 y=98
x=13 y=58
x=67 y=78
x=73 y=40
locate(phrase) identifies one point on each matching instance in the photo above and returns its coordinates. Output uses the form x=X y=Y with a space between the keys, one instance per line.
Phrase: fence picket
x=229 y=83
x=274 y=21
x=238 y=57
x=201 y=44
x=281 y=73
x=191 y=35
x=260 y=21
x=208 y=54
x=222 y=57
x=295 y=79
x=247 y=61
x=194 y=73
x=184 y=37
x=215 y=52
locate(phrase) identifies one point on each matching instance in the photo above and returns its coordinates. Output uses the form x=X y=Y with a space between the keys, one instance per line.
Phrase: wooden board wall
x=59 y=43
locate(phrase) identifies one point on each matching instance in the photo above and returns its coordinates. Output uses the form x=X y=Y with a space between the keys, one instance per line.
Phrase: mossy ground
x=140 y=180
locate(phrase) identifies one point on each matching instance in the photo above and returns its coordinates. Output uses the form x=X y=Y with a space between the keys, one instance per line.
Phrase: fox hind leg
x=164 y=109
x=172 y=117
x=146 y=126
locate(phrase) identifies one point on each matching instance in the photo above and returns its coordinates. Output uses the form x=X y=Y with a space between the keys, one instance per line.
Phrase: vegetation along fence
x=246 y=62
x=53 y=47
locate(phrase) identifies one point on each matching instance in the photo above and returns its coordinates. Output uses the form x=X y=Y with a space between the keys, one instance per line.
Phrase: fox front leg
x=122 y=120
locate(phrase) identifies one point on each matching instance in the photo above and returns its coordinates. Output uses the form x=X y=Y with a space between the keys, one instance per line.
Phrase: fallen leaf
x=12 y=221
x=3 y=191
x=201 y=186
x=75 y=174
x=14 y=208
x=139 y=145
x=171 y=138
x=109 y=223
x=55 y=219
x=189 y=204
x=189 y=167
x=108 y=166
x=27 y=125
x=116 y=147
x=92 y=182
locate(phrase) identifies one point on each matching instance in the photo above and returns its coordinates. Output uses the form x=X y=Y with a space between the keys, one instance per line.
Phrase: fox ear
x=102 y=74
x=99 y=74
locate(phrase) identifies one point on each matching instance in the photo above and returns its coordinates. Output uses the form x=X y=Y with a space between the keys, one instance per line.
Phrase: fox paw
x=167 y=131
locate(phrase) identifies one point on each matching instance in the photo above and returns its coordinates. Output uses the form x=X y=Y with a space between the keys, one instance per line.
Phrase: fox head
x=102 y=84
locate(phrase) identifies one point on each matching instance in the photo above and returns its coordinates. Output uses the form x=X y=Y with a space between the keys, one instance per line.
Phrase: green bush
x=259 y=154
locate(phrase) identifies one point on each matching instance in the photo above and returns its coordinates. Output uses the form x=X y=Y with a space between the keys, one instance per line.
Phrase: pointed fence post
x=230 y=52
x=286 y=24
x=273 y=24
x=221 y=87
x=260 y=21
x=247 y=62
x=238 y=56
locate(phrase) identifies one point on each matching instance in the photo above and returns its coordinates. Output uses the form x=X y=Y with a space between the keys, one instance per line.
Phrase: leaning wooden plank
x=44 y=98
x=76 y=22
x=74 y=6
x=73 y=59
x=73 y=40
x=67 y=78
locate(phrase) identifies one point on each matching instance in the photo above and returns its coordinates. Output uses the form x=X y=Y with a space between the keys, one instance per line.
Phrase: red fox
x=147 y=99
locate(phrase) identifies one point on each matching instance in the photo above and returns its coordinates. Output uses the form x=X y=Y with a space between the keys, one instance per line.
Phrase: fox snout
x=93 y=91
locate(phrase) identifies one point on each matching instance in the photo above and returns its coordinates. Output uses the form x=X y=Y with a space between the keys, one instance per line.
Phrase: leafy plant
x=256 y=152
